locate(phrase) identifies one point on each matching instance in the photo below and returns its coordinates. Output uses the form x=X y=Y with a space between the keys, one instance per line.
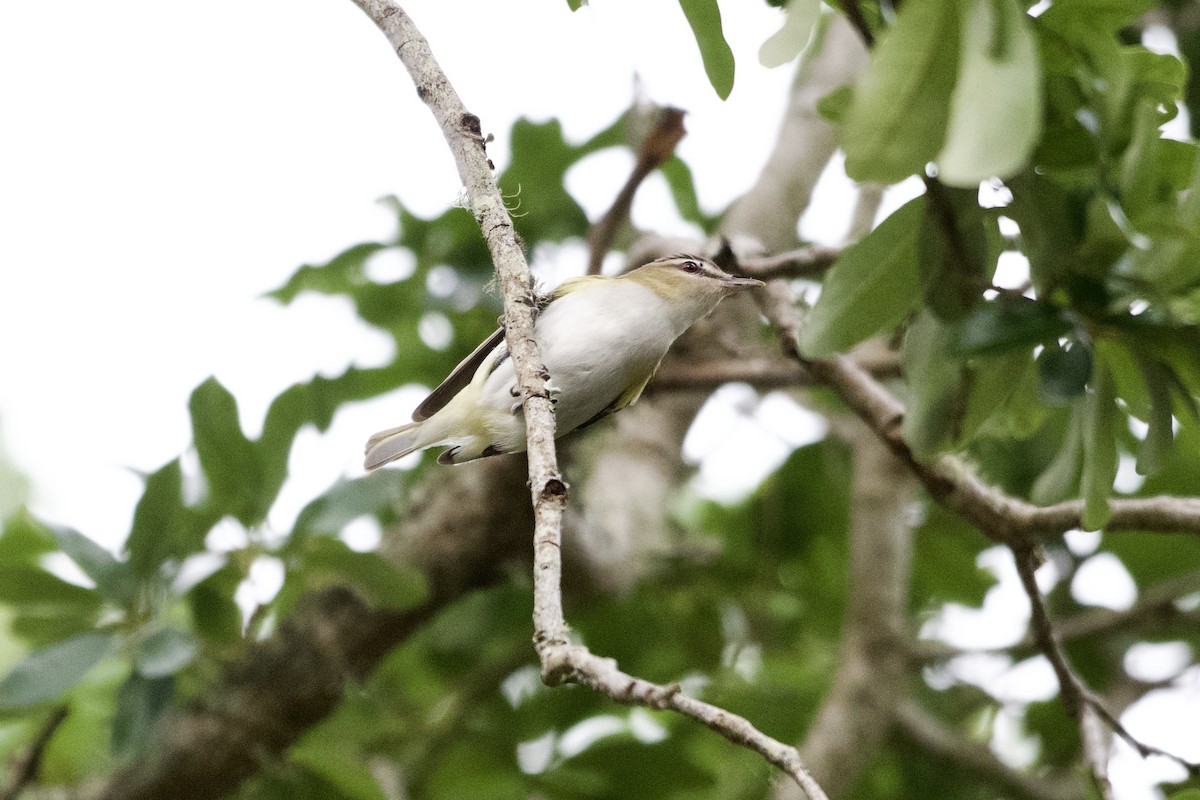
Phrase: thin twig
x=1155 y=604
x=811 y=261
x=575 y=663
x=1071 y=688
x=999 y=516
x=25 y=769
x=561 y=660
x=657 y=147
x=950 y=482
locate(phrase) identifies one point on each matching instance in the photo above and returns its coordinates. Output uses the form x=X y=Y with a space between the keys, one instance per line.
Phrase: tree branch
x=927 y=731
x=561 y=660
x=465 y=138
x=1000 y=516
x=656 y=148
x=24 y=769
x=1155 y=604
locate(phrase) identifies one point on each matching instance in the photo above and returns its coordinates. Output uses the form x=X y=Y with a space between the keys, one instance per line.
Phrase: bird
x=601 y=339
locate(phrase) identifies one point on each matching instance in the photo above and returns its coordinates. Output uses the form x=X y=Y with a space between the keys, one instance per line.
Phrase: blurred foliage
x=1042 y=391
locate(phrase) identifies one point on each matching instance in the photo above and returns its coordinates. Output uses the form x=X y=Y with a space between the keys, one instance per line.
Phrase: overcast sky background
x=163 y=165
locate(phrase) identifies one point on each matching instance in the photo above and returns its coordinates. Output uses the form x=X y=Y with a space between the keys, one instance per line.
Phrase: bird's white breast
x=595 y=341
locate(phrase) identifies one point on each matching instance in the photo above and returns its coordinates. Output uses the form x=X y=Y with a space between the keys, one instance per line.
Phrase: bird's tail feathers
x=387 y=446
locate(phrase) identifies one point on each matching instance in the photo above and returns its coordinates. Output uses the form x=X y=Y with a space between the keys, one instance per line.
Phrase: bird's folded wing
x=457 y=380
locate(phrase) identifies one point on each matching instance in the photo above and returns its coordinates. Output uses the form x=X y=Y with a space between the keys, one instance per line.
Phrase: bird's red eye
x=690 y=266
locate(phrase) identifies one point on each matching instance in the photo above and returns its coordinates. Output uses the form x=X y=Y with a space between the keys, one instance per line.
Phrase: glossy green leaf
x=957 y=251
x=1007 y=323
x=996 y=108
x=936 y=380
x=1099 y=450
x=704 y=16
x=1060 y=480
x=991 y=386
x=47 y=673
x=1064 y=372
x=1160 y=435
x=871 y=287
x=164 y=653
x=897 y=122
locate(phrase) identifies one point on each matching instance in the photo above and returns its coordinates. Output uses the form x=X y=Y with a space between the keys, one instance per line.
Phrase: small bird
x=601 y=339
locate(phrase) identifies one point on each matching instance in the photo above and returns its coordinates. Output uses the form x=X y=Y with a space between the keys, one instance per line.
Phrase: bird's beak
x=738 y=284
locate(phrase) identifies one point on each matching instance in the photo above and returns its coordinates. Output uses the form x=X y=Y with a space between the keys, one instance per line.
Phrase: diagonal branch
x=1000 y=516
x=465 y=138
x=25 y=768
x=561 y=660
x=657 y=147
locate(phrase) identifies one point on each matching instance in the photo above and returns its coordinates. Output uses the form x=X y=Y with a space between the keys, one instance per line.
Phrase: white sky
x=162 y=165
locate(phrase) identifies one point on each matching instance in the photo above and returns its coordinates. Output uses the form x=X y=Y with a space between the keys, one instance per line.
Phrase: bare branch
x=25 y=768
x=927 y=731
x=1000 y=516
x=656 y=148
x=1156 y=604
x=561 y=660
x=465 y=139
x=576 y=664
x=810 y=261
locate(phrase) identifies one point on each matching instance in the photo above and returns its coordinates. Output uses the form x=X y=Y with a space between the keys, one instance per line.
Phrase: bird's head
x=688 y=280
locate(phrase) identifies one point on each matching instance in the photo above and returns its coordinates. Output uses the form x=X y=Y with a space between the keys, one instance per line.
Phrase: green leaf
x=992 y=385
x=214 y=613
x=575 y=5
x=897 y=122
x=871 y=287
x=683 y=189
x=1084 y=19
x=164 y=653
x=996 y=109
x=342 y=766
x=1007 y=323
x=114 y=579
x=1186 y=794
x=346 y=501
x=957 y=251
x=1160 y=435
x=789 y=41
x=163 y=527
x=47 y=673
x=329 y=560
x=229 y=460
x=24 y=540
x=1064 y=372
x=1099 y=450
x=836 y=105
x=937 y=382
x=140 y=702
x=705 y=18
x=1060 y=480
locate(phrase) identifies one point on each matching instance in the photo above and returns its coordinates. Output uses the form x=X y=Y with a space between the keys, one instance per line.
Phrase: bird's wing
x=457 y=380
